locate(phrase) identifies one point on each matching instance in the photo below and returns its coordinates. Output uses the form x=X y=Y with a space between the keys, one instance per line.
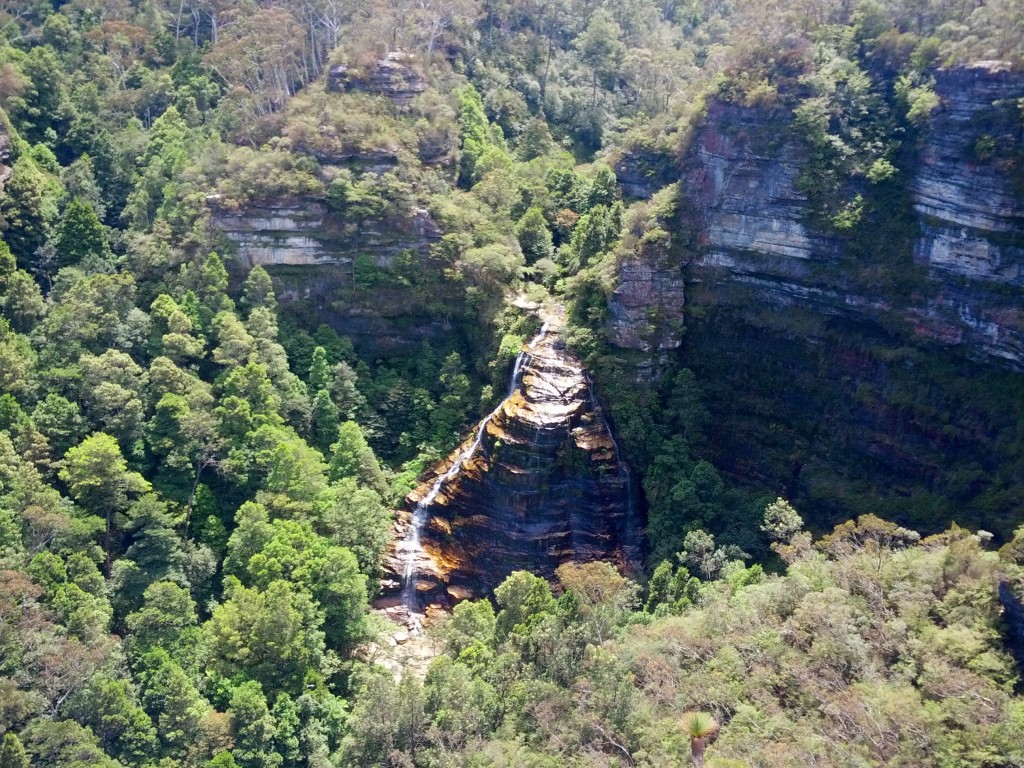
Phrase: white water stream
x=411 y=547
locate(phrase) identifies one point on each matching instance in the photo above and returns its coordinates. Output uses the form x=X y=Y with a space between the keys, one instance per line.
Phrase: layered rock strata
x=545 y=486
x=311 y=252
x=850 y=378
x=392 y=76
x=968 y=194
x=742 y=220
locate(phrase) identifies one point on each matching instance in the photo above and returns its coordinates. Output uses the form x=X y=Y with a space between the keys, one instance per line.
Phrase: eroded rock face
x=743 y=221
x=5 y=157
x=1011 y=597
x=311 y=253
x=393 y=76
x=305 y=233
x=962 y=191
x=828 y=380
x=545 y=486
x=646 y=306
x=971 y=212
x=641 y=172
x=741 y=188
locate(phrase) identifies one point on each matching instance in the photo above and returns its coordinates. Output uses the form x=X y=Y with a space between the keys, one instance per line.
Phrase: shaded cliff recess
x=545 y=486
x=868 y=367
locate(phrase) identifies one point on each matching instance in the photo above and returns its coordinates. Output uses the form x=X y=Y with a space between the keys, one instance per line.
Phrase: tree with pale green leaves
x=98 y=478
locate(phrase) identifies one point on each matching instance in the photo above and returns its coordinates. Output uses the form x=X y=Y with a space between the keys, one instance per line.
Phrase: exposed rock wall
x=311 y=253
x=304 y=232
x=743 y=220
x=971 y=212
x=545 y=486
x=828 y=380
x=1011 y=597
x=5 y=155
x=393 y=76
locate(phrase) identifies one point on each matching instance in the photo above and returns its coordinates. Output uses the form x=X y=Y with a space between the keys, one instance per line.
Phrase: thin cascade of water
x=411 y=547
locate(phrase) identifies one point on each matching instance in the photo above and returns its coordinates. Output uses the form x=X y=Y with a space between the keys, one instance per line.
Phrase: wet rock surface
x=545 y=486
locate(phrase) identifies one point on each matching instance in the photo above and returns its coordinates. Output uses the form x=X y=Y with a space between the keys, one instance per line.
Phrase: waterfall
x=411 y=547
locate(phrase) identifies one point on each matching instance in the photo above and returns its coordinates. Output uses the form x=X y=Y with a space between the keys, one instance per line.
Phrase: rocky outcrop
x=972 y=214
x=969 y=196
x=545 y=486
x=741 y=191
x=641 y=171
x=5 y=152
x=393 y=76
x=306 y=233
x=1011 y=597
x=646 y=306
x=329 y=269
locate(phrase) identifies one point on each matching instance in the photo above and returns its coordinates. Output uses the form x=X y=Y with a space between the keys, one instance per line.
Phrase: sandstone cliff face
x=826 y=381
x=1011 y=597
x=313 y=253
x=642 y=172
x=305 y=233
x=392 y=76
x=5 y=155
x=971 y=212
x=545 y=486
x=743 y=220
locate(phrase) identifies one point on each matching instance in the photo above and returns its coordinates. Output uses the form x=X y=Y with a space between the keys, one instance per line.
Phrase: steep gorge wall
x=851 y=384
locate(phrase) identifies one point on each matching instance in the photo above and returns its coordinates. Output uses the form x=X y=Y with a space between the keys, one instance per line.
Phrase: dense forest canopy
x=197 y=475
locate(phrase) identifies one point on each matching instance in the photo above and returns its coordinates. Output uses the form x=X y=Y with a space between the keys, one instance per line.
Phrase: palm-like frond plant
x=701 y=728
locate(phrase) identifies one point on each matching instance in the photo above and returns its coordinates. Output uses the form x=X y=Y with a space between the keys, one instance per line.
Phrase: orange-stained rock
x=546 y=485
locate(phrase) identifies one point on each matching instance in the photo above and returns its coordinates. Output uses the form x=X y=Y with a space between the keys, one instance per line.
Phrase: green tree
x=97 y=477
x=235 y=345
x=261 y=552
x=319 y=370
x=355 y=518
x=474 y=132
x=524 y=600
x=155 y=553
x=254 y=727
x=12 y=754
x=20 y=297
x=111 y=708
x=166 y=619
x=258 y=289
x=601 y=48
x=324 y=428
x=28 y=210
x=175 y=704
x=534 y=236
x=352 y=457
x=271 y=635
x=345 y=391
x=165 y=156
x=42 y=110
x=64 y=744
x=80 y=237
x=781 y=522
